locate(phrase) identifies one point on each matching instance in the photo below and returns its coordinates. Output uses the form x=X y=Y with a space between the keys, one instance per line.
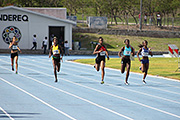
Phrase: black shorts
x=14 y=54
x=125 y=60
x=57 y=59
x=99 y=59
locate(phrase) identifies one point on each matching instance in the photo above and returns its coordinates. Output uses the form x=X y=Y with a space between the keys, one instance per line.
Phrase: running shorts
x=57 y=59
x=125 y=60
x=14 y=54
x=99 y=59
x=144 y=61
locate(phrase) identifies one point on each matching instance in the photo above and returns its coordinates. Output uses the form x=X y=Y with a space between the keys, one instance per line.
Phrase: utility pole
x=140 y=22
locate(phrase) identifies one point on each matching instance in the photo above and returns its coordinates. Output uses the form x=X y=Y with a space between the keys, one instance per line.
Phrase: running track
x=33 y=95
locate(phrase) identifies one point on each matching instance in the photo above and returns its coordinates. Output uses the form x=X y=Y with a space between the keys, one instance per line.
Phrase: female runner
x=55 y=50
x=14 y=53
x=145 y=51
x=127 y=50
x=101 y=51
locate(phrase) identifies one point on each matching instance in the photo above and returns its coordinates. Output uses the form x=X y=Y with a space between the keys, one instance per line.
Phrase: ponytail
x=141 y=45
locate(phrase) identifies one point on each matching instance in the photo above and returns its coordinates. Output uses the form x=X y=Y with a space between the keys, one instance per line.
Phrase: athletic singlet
x=55 y=50
x=14 y=47
x=103 y=53
x=145 y=52
x=127 y=51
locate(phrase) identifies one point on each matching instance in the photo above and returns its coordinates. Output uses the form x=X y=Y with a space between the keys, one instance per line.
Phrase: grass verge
x=115 y=42
x=164 y=67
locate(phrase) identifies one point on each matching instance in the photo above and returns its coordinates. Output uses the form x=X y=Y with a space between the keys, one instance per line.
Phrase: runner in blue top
x=145 y=51
x=127 y=50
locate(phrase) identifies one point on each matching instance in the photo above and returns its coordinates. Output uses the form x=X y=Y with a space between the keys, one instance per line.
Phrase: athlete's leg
x=146 y=70
x=123 y=68
x=12 y=63
x=97 y=66
x=58 y=66
x=143 y=67
x=128 y=66
x=16 y=61
x=54 y=66
x=102 y=70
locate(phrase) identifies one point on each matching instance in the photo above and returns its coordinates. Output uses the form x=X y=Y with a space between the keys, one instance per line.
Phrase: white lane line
x=45 y=103
x=6 y=113
x=118 y=74
x=159 y=89
x=150 y=81
x=141 y=104
x=135 y=91
x=83 y=99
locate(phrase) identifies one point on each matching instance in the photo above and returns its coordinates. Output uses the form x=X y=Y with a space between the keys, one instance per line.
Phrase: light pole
x=140 y=26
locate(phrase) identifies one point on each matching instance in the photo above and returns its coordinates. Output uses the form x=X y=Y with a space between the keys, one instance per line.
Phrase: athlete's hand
x=108 y=57
x=49 y=56
x=20 y=51
x=139 y=60
x=61 y=59
x=100 y=51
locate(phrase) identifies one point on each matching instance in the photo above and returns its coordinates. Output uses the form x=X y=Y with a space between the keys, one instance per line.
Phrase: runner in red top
x=101 y=52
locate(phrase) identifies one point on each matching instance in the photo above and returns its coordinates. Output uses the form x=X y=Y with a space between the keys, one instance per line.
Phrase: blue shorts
x=144 y=61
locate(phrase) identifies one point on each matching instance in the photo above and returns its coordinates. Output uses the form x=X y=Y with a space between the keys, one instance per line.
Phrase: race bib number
x=56 y=52
x=145 y=54
x=128 y=52
x=103 y=53
x=14 y=47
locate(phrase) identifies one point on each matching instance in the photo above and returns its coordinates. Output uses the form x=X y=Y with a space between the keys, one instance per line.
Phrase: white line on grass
x=45 y=103
x=141 y=104
x=6 y=113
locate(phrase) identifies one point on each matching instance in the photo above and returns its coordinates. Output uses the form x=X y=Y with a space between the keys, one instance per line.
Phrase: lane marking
x=162 y=111
x=111 y=78
x=6 y=113
x=118 y=74
x=108 y=94
x=45 y=103
x=83 y=99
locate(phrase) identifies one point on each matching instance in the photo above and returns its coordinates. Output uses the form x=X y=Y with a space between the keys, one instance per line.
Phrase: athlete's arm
x=132 y=51
x=62 y=52
x=50 y=52
x=150 y=52
x=10 y=45
x=107 y=54
x=19 y=49
x=138 y=54
x=119 y=54
x=95 y=50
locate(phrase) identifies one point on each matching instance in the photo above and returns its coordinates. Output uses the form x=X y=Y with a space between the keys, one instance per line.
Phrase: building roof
x=36 y=13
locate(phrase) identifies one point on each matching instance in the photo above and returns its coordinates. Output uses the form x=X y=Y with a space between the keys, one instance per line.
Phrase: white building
x=24 y=24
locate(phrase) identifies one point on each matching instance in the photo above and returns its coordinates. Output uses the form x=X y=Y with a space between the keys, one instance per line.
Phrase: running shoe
x=126 y=83
x=102 y=82
x=12 y=69
x=140 y=68
x=56 y=80
x=16 y=72
x=144 y=81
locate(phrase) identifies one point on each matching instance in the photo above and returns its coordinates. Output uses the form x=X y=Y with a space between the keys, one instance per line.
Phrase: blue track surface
x=33 y=95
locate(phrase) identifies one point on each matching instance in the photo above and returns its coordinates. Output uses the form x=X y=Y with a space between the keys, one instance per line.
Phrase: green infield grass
x=165 y=67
